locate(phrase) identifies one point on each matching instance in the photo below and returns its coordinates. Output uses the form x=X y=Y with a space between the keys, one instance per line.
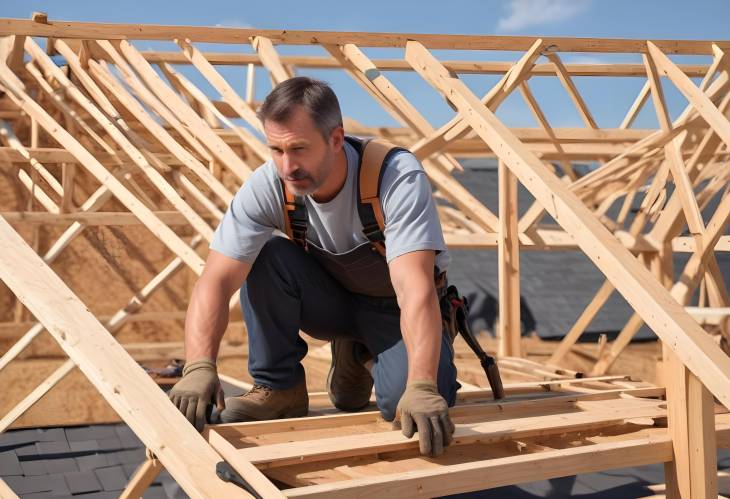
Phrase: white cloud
x=233 y=23
x=527 y=13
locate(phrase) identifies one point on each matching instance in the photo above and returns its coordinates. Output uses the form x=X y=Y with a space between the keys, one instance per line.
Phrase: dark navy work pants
x=288 y=290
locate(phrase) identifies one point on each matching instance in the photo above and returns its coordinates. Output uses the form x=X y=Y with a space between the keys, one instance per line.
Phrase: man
x=380 y=312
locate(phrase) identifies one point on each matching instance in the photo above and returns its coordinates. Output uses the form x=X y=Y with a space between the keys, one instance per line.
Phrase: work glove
x=197 y=391
x=423 y=409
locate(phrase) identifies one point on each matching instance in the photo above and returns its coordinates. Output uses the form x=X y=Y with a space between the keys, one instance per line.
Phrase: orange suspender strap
x=372 y=161
x=295 y=217
x=373 y=154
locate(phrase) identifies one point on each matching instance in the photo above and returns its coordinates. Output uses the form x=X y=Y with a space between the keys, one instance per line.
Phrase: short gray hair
x=316 y=96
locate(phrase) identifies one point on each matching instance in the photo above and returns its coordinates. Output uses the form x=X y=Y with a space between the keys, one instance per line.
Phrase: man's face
x=303 y=158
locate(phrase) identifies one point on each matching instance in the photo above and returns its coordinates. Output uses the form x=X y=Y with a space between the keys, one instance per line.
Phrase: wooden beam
x=498 y=93
x=246 y=137
x=490 y=473
x=584 y=320
x=457 y=66
x=508 y=251
x=6 y=492
x=113 y=218
x=691 y=424
x=572 y=90
x=663 y=314
x=210 y=34
x=270 y=59
x=120 y=380
x=243 y=109
x=173 y=101
x=172 y=145
x=674 y=154
x=636 y=106
x=598 y=415
x=135 y=151
x=143 y=477
x=158 y=228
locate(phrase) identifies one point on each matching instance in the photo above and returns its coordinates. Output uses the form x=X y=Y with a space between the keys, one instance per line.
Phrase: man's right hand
x=198 y=388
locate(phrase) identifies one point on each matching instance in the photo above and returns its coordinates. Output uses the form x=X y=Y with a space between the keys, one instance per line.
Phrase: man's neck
x=337 y=179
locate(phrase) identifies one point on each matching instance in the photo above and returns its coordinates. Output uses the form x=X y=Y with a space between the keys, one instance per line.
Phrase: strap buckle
x=373 y=232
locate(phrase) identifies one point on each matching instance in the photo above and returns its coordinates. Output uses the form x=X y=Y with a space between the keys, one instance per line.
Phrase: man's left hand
x=423 y=409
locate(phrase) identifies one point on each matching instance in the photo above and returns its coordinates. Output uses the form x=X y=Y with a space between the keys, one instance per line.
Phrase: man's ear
x=337 y=138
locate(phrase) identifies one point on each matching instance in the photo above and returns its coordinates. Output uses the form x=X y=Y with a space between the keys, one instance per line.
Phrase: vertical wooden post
x=21 y=314
x=691 y=418
x=250 y=82
x=690 y=415
x=509 y=332
x=68 y=171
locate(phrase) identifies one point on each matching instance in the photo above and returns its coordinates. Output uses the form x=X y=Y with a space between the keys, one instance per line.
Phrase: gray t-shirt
x=411 y=219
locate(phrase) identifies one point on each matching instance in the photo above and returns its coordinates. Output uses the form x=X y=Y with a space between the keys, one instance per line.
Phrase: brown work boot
x=262 y=402
x=349 y=382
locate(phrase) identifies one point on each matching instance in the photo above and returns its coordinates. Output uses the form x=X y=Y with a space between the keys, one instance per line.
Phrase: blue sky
x=607 y=98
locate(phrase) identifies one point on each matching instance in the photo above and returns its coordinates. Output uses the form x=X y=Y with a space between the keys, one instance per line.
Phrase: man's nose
x=287 y=164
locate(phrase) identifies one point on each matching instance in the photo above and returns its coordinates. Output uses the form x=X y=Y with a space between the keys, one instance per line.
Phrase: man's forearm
x=421 y=328
x=205 y=322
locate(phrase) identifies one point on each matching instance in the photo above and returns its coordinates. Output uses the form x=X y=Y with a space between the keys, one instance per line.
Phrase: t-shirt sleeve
x=252 y=217
x=411 y=218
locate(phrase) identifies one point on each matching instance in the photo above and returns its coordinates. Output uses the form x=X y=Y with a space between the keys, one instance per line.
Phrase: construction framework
x=161 y=153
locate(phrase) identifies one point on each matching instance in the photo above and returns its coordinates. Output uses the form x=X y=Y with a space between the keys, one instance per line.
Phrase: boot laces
x=255 y=389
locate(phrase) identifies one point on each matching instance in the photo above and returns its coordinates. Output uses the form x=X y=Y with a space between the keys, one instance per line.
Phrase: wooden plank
x=636 y=106
x=585 y=318
x=142 y=92
x=134 y=151
x=159 y=229
x=248 y=471
x=690 y=414
x=247 y=138
x=270 y=59
x=6 y=492
x=243 y=109
x=610 y=413
x=661 y=312
x=120 y=380
x=498 y=93
x=143 y=477
x=160 y=133
x=502 y=408
x=68 y=174
x=113 y=325
x=214 y=34
x=175 y=103
x=480 y=475
x=542 y=120
x=459 y=67
x=89 y=218
x=697 y=98
x=702 y=440
x=674 y=154
x=510 y=327
x=250 y=82
x=6 y=131
x=572 y=90
x=618 y=345
x=60 y=101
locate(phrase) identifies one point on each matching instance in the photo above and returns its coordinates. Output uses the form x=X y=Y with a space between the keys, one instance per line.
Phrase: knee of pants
x=390 y=372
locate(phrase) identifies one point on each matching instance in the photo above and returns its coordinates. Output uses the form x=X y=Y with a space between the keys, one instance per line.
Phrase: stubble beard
x=314 y=183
